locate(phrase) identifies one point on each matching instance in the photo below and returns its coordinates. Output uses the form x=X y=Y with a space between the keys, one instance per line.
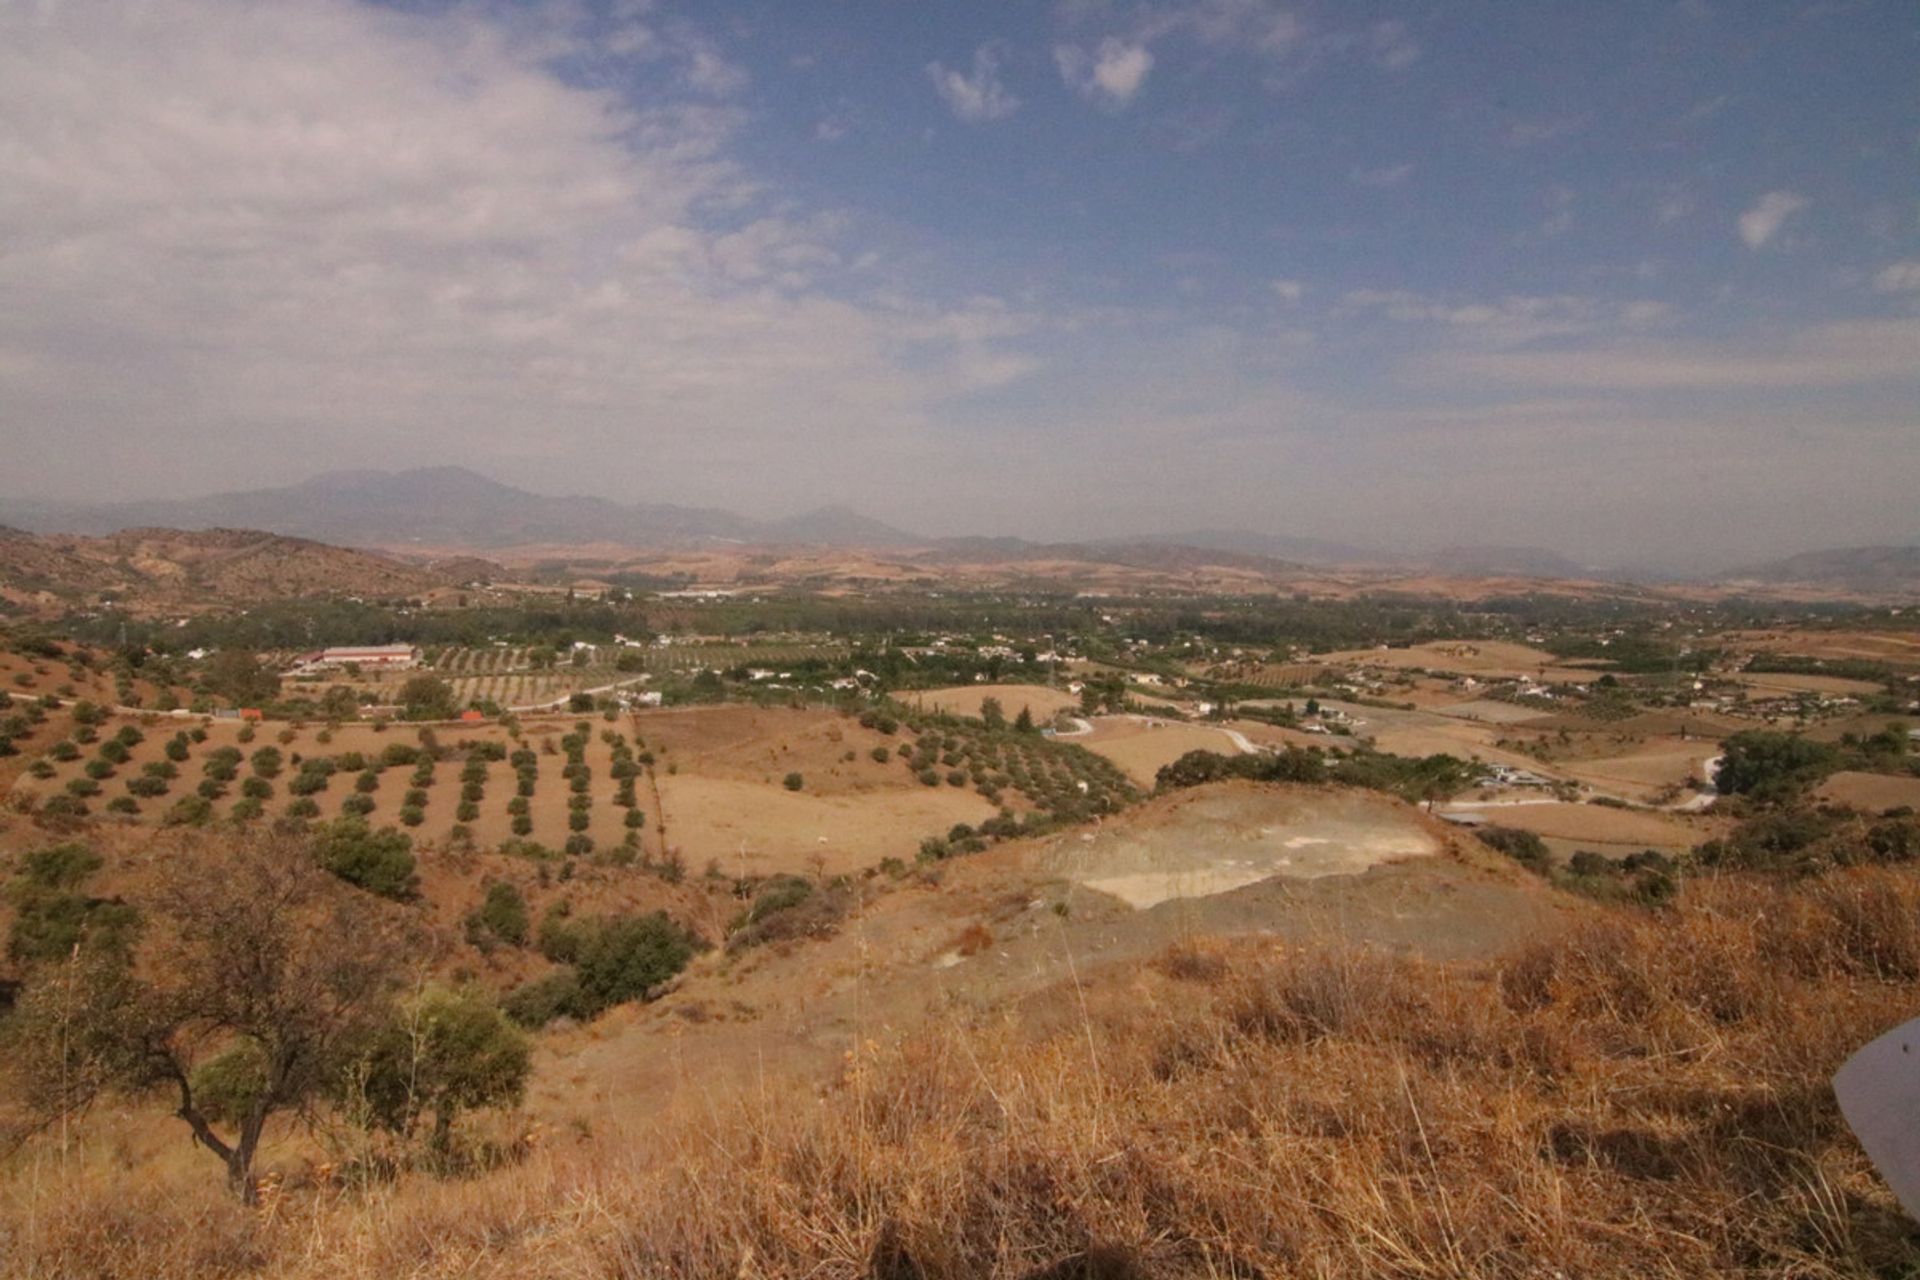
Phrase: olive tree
x=265 y=977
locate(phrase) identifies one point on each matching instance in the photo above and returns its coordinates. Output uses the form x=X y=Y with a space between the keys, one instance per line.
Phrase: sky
x=1634 y=281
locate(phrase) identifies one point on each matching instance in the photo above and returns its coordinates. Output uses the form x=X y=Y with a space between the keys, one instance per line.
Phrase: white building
x=384 y=657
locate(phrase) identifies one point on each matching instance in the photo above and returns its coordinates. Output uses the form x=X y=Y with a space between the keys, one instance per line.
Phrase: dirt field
x=1488 y=710
x=1141 y=747
x=1598 y=827
x=754 y=828
x=1873 y=792
x=966 y=699
x=1900 y=648
x=1644 y=770
x=1768 y=683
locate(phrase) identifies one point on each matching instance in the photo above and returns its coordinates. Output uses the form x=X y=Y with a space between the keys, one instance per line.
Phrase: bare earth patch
x=1213 y=842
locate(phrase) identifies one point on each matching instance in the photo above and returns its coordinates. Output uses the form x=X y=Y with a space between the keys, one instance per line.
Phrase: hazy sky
x=1636 y=281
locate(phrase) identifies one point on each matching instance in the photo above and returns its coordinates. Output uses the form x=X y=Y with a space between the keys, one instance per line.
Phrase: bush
x=503 y=913
x=256 y=788
x=303 y=809
x=357 y=805
x=189 y=811
x=380 y=862
x=622 y=957
x=558 y=995
x=412 y=815
x=793 y=782
x=522 y=825
x=147 y=787
x=1524 y=847
x=467 y=812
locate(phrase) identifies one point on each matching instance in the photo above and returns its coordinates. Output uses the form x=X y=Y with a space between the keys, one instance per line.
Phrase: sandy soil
x=966 y=699
x=1873 y=792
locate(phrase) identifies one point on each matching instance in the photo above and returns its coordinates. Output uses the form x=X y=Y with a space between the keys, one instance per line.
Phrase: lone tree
x=237 y=676
x=265 y=979
x=446 y=1052
x=426 y=698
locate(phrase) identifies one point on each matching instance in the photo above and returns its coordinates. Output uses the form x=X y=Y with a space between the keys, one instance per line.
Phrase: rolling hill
x=174 y=568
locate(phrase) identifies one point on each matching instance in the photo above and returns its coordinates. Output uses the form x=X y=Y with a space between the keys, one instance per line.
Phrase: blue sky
x=1635 y=281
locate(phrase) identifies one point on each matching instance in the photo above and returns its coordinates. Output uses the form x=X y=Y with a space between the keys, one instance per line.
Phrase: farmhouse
x=393 y=657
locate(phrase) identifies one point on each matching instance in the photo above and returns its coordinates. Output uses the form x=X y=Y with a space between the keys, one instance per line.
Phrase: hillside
x=173 y=568
x=1876 y=569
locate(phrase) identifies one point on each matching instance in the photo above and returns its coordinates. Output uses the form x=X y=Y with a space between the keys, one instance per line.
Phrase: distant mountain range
x=455 y=507
x=1876 y=569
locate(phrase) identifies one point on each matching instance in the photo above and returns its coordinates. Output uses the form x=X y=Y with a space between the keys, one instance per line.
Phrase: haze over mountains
x=453 y=507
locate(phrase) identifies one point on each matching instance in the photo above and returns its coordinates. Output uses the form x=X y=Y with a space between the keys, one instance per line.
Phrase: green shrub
x=1524 y=847
x=793 y=782
x=558 y=995
x=503 y=914
x=378 y=861
x=189 y=811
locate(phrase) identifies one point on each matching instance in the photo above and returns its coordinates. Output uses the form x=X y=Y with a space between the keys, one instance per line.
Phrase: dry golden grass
x=1646 y=1095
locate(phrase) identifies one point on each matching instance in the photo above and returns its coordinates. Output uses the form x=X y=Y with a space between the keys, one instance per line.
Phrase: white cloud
x=1390 y=45
x=1849 y=353
x=1386 y=176
x=1112 y=74
x=286 y=237
x=1898 y=277
x=1504 y=321
x=975 y=97
x=1762 y=223
x=1289 y=290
